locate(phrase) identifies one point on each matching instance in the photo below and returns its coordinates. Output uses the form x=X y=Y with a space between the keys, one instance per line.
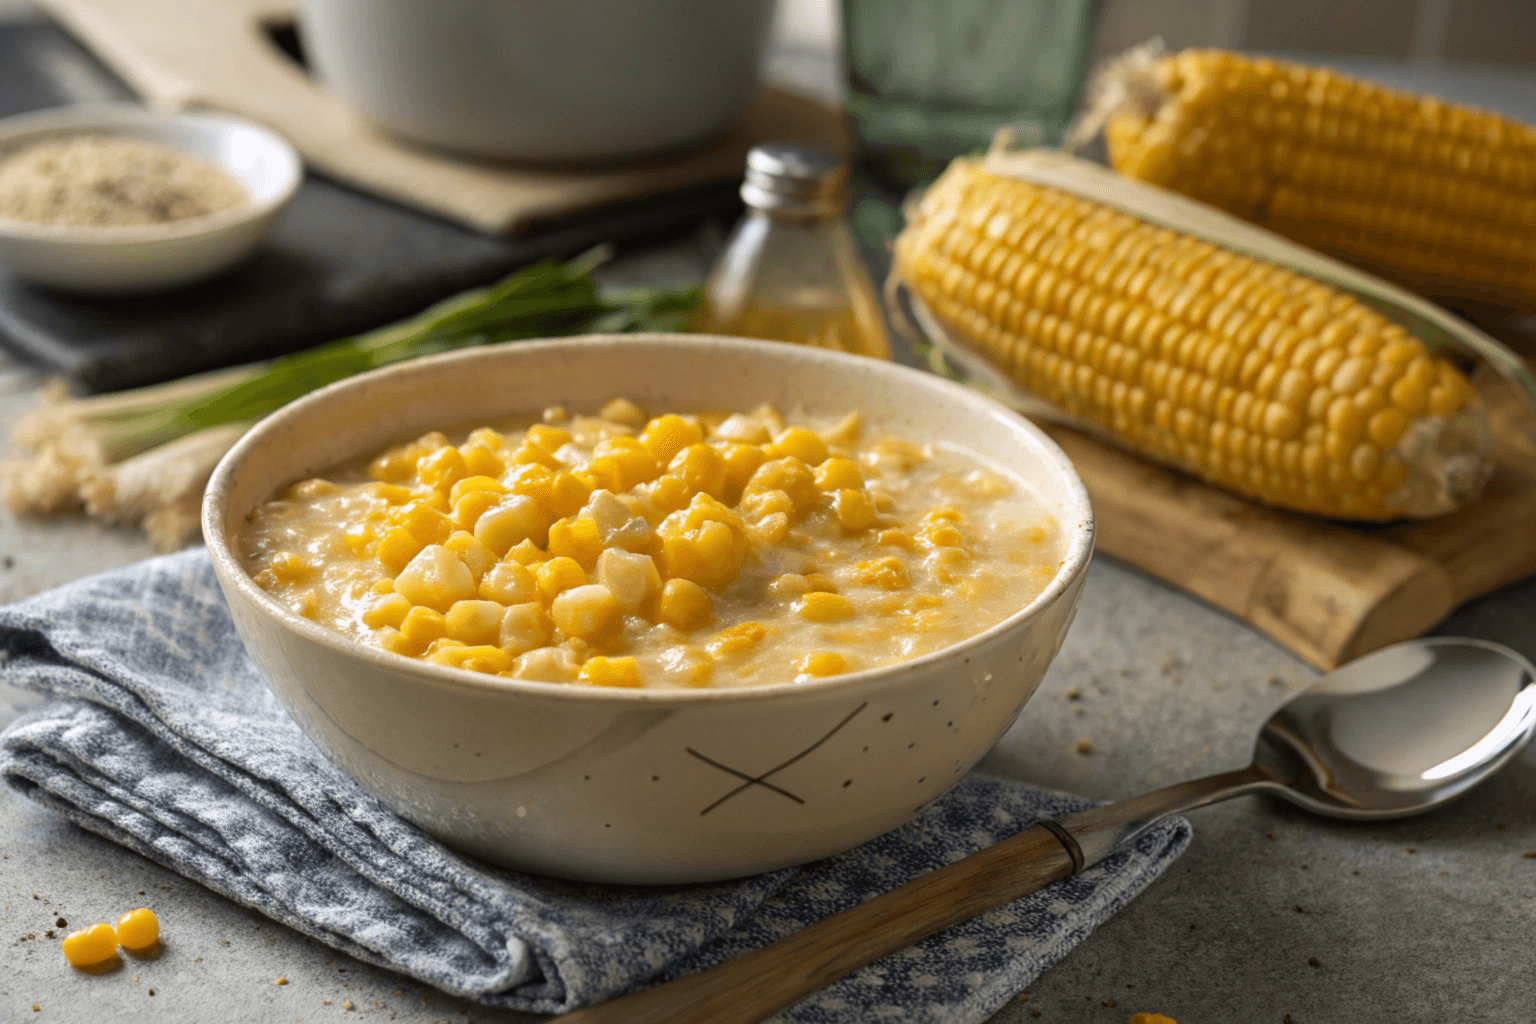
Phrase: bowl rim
x=1075 y=559
x=123 y=118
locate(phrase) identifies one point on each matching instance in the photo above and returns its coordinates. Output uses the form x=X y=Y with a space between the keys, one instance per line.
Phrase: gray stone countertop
x=1271 y=916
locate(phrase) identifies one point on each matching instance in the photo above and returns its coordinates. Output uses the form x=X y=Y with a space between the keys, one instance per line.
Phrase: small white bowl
x=644 y=786
x=122 y=260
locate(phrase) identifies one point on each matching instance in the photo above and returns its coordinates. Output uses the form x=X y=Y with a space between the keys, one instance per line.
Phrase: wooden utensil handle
x=749 y=988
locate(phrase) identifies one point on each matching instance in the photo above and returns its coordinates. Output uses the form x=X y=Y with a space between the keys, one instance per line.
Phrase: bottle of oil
x=790 y=271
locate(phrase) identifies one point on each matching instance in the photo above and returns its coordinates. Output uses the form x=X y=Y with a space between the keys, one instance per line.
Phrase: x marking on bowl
x=762 y=780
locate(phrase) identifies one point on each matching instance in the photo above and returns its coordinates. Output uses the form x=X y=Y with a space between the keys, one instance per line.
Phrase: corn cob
x=1438 y=197
x=1247 y=374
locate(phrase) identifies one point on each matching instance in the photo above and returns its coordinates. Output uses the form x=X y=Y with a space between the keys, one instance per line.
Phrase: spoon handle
x=751 y=987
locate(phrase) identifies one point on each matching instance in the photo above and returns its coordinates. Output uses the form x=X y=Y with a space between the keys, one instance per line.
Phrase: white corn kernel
x=547 y=665
x=617 y=523
x=583 y=611
x=524 y=627
x=435 y=578
x=742 y=429
x=629 y=577
x=505 y=524
x=509 y=583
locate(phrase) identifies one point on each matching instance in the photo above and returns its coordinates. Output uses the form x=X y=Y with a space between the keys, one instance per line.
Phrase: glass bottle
x=790 y=271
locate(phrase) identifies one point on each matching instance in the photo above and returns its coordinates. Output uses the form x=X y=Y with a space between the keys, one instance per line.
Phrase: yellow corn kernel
x=815 y=581
x=888 y=573
x=509 y=583
x=526 y=552
x=790 y=475
x=444 y=643
x=702 y=469
x=685 y=604
x=510 y=521
x=424 y=625
x=480 y=461
x=436 y=578
x=709 y=556
x=475 y=483
x=396 y=465
x=898 y=539
x=358 y=537
x=314 y=487
x=798 y=443
x=525 y=627
x=393 y=494
x=92 y=945
x=549 y=438
x=392 y=640
x=288 y=567
x=601 y=671
x=822 y=607
x=138 y=929
x=772 y=528
x=567 y=494
x=578 y=539
x=941 y=536
x=853 y=510
x=422 y=521
x=741 y=461
x=389 y=610
x=529 y=454
x=559 y=574
x=621 y=463
x=670 y=493
x=630 y=577
x=823 y=663
x=468 y=509
x=396 y=548
x=788 y=586
x=738 y=638
x=490 y=440
x=584 y=611
x=442 y=469
x=838 y=475
x=474 y=622
x=434 y=499
x=624 y=412
x=667 y=435
x=381 y=587
x=474 y=658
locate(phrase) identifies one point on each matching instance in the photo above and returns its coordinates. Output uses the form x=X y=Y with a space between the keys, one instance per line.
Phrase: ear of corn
x=1437 y=196
x=1245 y=373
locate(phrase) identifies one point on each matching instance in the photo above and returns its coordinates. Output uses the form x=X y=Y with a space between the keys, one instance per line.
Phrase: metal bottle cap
x=791 y=178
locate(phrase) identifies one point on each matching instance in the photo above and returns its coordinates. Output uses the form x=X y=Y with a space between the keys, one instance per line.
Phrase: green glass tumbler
x=929 y=80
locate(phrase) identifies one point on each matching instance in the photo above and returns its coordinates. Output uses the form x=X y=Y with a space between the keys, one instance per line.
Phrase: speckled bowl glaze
x=644 y=786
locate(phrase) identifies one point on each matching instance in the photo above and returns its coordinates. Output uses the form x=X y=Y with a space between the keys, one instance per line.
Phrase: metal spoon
x=1395 y=733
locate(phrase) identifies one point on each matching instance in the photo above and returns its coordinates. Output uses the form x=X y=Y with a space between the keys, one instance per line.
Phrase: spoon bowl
x=1401 y=731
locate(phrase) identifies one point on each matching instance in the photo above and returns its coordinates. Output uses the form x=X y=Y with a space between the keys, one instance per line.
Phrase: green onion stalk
x=142 y=457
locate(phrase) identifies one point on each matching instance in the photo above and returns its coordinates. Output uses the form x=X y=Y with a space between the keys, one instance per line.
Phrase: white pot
x=617 y=785
x=542 y=80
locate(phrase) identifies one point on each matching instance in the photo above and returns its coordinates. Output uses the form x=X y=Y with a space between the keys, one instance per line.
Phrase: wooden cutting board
x=1328 y=591
x=185 y=53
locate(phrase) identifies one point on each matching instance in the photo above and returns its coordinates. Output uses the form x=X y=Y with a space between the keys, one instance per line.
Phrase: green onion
x=73 y=442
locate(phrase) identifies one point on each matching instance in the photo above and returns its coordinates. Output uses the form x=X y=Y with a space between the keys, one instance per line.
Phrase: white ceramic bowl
x=614 y=785
x=121 y=260
x=564 y=81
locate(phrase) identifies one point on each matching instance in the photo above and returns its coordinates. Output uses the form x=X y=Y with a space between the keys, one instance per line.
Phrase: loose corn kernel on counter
x=680 y=551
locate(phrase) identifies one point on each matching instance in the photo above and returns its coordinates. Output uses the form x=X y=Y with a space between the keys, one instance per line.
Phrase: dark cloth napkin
x=162 y=737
